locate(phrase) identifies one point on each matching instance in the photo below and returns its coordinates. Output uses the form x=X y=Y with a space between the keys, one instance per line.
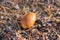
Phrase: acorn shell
x=28 y=20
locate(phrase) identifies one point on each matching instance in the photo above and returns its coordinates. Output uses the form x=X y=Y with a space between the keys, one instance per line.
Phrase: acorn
x=28 y=20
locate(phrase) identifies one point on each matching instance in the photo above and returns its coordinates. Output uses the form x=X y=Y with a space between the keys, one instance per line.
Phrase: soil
x=46 y=27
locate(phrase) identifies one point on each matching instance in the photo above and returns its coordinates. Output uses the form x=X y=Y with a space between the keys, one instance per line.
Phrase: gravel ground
x=46 y=27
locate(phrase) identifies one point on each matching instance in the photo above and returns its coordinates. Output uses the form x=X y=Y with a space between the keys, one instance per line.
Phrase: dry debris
x=46 y=27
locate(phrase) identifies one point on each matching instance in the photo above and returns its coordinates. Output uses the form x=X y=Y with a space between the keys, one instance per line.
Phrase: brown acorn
x=28 y=20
